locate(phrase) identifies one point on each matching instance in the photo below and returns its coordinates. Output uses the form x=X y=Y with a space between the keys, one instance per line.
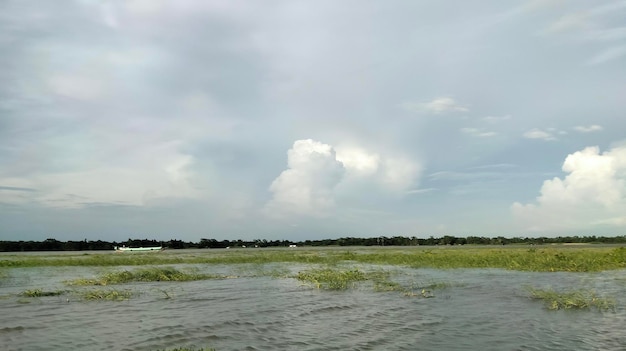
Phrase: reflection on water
x=481 y=309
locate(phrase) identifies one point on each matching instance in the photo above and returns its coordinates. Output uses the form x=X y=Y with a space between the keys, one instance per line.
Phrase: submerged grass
x=542 y=259
x=106 y=294
x=332 y=279
x=41 y=293
x=577 y=299
x=152 y=274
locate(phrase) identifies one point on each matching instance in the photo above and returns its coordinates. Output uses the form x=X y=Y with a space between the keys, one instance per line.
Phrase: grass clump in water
x=188 y=349
x=338 y=279
x=578 y=299
x=106 y=294
x=154 y=274
x=41 y=293
x=332 y=279
x=415 y=290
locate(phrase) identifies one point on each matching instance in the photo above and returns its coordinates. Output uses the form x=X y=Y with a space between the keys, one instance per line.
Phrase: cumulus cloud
x=306 y=187
x=436 y=106
x=358 y=161
x=309 y=186
x=593 y=192
x=477 y=132
x=588 y=129
x=393 y=173
x=539 y=134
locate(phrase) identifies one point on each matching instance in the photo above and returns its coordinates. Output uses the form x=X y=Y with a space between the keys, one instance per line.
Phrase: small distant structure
x=293 y=245
x=128 y=249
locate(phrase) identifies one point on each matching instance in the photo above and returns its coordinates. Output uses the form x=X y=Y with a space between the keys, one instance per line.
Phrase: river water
x=478 y=309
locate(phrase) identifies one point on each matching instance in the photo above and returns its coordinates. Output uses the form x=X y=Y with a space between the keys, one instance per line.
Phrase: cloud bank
x=592 y=193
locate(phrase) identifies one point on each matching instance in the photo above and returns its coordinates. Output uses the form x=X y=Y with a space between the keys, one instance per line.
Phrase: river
x=476 y=309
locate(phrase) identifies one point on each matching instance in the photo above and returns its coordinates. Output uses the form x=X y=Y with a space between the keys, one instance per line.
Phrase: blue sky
x=311 y=119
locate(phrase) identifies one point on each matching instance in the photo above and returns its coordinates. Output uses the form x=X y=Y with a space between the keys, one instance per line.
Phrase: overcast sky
x=311 y=119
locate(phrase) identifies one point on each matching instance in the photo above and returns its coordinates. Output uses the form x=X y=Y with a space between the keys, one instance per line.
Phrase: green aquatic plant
x=539 y=259
x=414 y=289
x=577 y=299
x=106 y=294
x=388 y=285
x=261 y=270
x=41 y=293
x=188 y=349
x=152 y=274
x=332 y=279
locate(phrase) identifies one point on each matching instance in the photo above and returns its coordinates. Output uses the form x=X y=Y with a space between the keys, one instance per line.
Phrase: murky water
x=481 y=309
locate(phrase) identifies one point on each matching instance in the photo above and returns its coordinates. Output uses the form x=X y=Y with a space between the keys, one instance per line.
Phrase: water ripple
x=489 y=311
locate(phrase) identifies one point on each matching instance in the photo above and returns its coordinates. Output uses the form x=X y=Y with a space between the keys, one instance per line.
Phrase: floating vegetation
x=41 y=293
x=152 y=274
x=167 y=294
x=332 y=279
x=338 y=279
x=106 y=294
x=261 y=270
x=412 y=290
x=544 y=259
x=578 y=299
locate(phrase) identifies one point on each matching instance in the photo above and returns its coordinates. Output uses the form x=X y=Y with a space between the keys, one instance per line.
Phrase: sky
x=296 y=120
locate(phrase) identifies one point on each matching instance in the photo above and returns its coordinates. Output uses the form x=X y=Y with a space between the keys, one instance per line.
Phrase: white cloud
x=437 y=106
x=81 y=87
x=611 y=34
x=315 y=172
x=137 y=178
x=399 y=173
x=570 y=21
x=593 y=192
x=496 y=119
x=607 y=55
x=306 y=187
x=539 y=134
x=588 y=129
x=358 y=161
x=420 y=191
x=477 y=132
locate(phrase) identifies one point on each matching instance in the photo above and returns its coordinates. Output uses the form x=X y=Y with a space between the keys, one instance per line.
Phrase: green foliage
x=41 y=292
x=545 y=259
x=106 y=294
x=332 y=279
x=578 y=299
x=151 y=274
x=341 y=279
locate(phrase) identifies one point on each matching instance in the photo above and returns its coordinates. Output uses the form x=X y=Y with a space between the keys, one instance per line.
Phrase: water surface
x=481 y=309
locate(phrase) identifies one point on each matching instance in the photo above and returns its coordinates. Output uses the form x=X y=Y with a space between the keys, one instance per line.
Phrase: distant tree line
x=56 y=245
